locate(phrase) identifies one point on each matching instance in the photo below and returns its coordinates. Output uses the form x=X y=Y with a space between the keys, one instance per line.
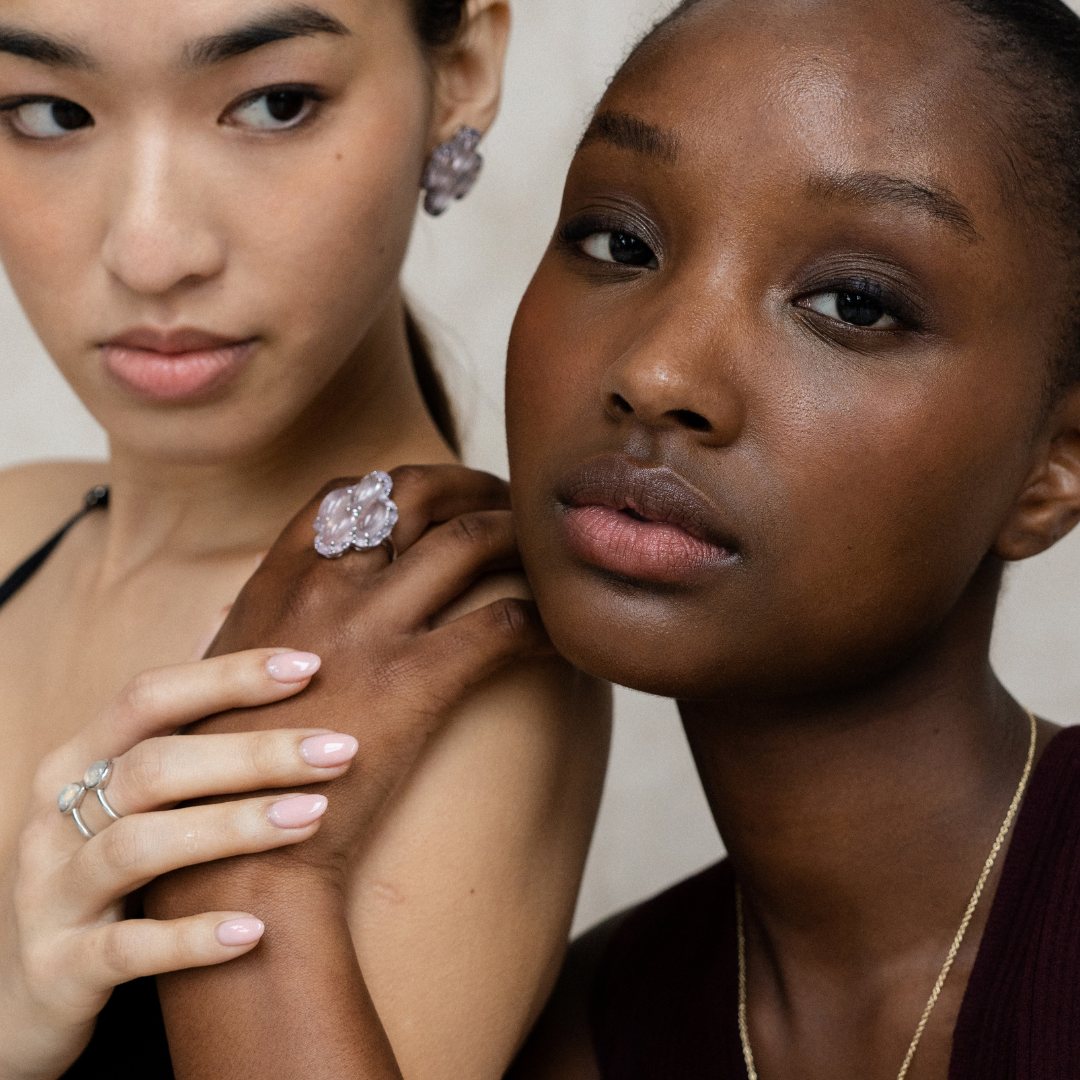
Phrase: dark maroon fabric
x=665 y=1005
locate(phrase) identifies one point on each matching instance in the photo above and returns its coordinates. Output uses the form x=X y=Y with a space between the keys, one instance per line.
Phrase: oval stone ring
x=361 y=516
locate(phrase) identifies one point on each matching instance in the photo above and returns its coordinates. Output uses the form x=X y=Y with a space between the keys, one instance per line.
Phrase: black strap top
x=95 y=499
x=129 y=1039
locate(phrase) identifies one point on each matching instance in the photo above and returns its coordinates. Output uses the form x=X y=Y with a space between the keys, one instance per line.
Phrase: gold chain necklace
x=744 y=1031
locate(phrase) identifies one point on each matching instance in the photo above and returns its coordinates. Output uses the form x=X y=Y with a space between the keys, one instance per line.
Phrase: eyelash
x=578 y=229
x=891 y=303
x=312 y=93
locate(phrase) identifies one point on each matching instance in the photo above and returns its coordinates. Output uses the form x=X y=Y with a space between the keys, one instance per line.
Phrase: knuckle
x=116 y=952
x=141 y=695
x=263 y=753
x=510 y=616
x=120 y=846
x=141 y=771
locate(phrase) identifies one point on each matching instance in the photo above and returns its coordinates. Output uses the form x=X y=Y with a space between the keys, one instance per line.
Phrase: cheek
x=890 y=500
x=552 y=379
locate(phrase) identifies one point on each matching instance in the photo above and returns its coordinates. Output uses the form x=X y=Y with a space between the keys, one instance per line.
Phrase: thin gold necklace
x=744 y=1031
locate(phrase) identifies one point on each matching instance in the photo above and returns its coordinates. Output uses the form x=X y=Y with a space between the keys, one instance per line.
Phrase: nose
x=678 y=382
x=160 y=236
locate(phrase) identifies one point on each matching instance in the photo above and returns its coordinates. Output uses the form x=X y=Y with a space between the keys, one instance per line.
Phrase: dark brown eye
x=273 y=110
x=858 y=309
x=49 y=119
x=285 y=105
x=619 y=247
x=852 y=307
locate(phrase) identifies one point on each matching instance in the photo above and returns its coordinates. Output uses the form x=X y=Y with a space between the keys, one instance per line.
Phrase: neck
x=370 y=416
x=858 y=821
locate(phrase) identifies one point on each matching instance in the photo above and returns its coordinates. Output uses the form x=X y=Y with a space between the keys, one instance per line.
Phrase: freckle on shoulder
x=36 y=499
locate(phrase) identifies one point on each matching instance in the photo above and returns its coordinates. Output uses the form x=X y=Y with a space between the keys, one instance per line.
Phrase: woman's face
x=239 y=173
x=771 y=392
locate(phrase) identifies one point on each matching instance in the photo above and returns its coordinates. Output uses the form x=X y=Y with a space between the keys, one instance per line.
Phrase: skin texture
x=166 y=213
x=862 y=487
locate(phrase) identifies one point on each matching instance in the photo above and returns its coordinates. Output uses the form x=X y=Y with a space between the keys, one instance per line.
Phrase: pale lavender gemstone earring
x=452 y=171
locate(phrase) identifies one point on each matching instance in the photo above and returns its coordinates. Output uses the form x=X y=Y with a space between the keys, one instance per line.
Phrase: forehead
x=827 y=88
x=104 y=35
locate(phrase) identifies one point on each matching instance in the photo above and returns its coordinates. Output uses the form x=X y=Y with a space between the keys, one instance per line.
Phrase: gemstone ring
x=96 y=779
x=69 y=800
x=361 y=516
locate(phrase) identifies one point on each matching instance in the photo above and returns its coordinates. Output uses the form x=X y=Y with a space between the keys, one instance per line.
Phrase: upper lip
x=182 y=339
x=655 y=492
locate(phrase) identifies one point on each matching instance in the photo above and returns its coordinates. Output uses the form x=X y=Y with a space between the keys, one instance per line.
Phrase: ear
x=1049 y=505
x=469 y=72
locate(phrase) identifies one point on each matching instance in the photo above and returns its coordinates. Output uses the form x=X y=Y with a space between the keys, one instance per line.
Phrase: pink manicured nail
x=289 y=667
x=297 y=811
x=328 y=750
x=240 y=931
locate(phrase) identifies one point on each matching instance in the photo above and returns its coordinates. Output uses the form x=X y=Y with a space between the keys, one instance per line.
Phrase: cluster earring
x=452 y=171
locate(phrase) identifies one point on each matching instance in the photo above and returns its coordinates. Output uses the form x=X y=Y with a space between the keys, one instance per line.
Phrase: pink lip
x=173 y=365
x=642 y=523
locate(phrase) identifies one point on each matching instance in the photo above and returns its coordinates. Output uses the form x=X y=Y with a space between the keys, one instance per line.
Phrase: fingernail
x=240 y=931
x=327 y=750
x=289 y=667
x=297 y=811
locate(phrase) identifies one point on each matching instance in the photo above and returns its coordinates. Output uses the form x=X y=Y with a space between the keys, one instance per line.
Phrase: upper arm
x=464 y=900
x=38 y=499
x=560 y=1046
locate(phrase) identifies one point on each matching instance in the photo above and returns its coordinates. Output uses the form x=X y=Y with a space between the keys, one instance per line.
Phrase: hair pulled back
x=437 y=23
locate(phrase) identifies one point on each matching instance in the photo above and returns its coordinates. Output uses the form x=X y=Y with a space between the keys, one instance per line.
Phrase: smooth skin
x=869 y=480
x=183 y=205
x=309 y=1011
x=70 y=943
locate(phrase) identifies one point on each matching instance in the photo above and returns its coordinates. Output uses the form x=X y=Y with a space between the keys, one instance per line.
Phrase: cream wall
x=466 y=272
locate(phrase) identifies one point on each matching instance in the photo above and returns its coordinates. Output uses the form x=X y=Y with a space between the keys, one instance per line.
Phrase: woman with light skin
x=205 y=211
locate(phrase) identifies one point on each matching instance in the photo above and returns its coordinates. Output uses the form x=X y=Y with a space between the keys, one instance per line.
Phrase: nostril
x=621 y=404
x=694 y=421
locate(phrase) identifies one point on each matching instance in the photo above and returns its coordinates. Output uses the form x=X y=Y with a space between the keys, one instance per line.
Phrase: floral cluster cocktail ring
x=361 y=516
x=95 y=779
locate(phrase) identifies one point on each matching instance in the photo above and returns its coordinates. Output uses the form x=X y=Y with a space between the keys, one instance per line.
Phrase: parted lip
x=183 y=339
x=655 y=493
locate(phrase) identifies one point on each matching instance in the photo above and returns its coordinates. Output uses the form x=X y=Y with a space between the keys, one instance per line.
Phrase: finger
x=121 y=951
x=428 y=495
x=478 y=645
x=160 y=772
x=445 y=562
x=135 y=850
x=162 y=701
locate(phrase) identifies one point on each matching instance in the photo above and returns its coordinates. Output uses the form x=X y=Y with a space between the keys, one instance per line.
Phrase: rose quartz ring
x=361 y=516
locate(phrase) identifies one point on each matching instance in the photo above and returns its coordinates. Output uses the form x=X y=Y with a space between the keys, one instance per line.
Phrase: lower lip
x=156 y=376
x=643 y=550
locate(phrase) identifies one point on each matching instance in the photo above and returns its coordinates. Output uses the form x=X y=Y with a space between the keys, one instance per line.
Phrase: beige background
x=465 y=273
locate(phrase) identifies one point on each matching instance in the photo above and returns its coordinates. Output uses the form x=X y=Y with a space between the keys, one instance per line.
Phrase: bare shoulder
x=37 y=499
x=535 y=687
x=560 y=1046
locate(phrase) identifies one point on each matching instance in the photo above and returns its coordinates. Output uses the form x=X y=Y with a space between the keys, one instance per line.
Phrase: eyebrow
x=630 y=132
x=43 y=49
x=937 y=203
x=282 y=24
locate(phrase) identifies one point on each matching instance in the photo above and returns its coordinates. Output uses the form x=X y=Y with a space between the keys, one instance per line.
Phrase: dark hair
x=1030 y=50
x=438 y=23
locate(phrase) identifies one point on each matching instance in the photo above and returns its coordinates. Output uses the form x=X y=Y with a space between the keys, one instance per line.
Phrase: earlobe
x=1049 y=506
x=468 y=73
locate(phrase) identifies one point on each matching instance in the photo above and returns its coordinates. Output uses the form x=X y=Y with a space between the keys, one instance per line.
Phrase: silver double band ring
x=95 y=779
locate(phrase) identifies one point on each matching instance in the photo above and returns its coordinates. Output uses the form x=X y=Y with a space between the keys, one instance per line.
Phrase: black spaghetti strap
x=95 y=499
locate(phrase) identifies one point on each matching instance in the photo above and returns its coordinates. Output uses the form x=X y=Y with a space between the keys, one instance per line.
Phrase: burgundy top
x=665 y=1004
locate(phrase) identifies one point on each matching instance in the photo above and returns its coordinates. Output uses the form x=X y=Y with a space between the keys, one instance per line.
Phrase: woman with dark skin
x=793 y=384
x=786 y=394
